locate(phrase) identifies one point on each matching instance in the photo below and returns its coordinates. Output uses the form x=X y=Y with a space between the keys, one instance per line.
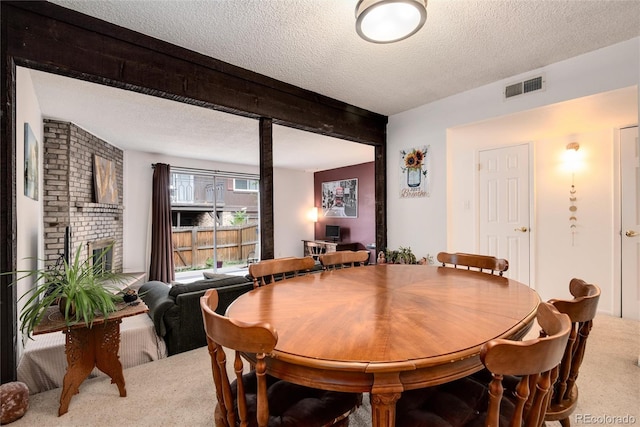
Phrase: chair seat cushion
x=295 y=405
x=459 y=403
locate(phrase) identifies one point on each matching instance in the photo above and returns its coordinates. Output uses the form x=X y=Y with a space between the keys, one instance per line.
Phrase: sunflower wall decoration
x=414 y=172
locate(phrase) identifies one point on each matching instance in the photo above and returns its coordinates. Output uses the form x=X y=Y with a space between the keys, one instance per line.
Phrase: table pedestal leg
x=88 y=347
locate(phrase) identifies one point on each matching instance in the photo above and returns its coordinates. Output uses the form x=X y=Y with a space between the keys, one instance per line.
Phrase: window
x=245 y=185
x=218 y=190
x=181 y=188
x=215 y=216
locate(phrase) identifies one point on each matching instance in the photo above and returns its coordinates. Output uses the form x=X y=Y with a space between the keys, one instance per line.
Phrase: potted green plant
x=401 y=256
x=81 y=291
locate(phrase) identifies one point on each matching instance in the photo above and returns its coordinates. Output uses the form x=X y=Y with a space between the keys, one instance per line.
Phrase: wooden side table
x=89 y=347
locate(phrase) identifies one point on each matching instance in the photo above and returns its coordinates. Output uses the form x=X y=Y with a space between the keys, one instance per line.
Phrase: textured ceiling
x=313 y=44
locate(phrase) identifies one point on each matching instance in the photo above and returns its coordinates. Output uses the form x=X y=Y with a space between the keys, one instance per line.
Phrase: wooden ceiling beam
x=51 y=38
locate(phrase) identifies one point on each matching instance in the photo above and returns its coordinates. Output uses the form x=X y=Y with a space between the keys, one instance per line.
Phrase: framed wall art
x=340 y=198
x=30 y=163
x=104 y=180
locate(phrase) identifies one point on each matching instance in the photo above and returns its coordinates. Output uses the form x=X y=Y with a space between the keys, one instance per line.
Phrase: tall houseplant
x=81 y=291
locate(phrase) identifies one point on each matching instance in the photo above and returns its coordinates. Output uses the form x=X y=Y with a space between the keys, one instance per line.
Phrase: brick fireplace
x=69 y=194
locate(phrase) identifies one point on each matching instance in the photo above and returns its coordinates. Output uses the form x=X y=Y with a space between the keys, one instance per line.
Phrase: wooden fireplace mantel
x=99 y=207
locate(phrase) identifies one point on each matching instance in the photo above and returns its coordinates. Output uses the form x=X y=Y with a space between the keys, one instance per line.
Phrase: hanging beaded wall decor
x=573 y=219
x=572 y=208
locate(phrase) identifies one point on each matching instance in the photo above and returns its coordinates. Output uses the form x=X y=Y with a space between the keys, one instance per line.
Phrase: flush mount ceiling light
x=388 y=21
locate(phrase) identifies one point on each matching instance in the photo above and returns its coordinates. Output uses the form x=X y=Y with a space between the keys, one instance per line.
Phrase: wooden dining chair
x=484 y=263
x=581 y=310
x=271 y=270
x=255 y=398
x=471 y=402
x=314 y=250
x=343 y=259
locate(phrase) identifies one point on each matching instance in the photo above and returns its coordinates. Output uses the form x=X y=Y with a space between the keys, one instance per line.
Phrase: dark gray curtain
x=161 y=245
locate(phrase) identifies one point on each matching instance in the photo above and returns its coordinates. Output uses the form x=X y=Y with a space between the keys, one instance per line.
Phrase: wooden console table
x=315 y=248
x=87 y=348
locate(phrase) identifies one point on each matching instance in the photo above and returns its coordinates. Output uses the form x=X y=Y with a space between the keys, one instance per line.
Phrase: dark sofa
x=175 y=310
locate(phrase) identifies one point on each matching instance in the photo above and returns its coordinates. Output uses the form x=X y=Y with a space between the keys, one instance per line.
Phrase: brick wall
x=69 y=194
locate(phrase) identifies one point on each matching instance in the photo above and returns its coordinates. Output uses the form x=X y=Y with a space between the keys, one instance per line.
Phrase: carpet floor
x=178 y=391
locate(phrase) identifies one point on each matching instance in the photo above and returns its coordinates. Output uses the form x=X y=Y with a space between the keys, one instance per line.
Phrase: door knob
x=523 y=229
x=631 y=233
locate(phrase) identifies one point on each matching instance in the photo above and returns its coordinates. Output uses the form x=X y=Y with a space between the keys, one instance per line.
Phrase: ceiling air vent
x=526 y=86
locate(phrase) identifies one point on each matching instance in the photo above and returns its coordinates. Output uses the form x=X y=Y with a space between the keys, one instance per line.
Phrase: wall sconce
x=312 y=214
x=572 y=162
x=572 y=157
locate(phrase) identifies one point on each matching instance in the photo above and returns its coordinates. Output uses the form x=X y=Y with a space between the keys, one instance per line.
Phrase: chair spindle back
x=342 y=259
x=581 y=310
x=271 y=270
x=533 y=361
x=474 y=261
x=240 y=337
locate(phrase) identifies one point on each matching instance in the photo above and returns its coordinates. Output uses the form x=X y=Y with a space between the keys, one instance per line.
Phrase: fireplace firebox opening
x=101 y=262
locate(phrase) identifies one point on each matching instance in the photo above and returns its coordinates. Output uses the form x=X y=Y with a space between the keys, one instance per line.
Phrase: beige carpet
x=178 y=391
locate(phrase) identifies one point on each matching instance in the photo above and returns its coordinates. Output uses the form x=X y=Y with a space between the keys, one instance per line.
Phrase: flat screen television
x=332 y=232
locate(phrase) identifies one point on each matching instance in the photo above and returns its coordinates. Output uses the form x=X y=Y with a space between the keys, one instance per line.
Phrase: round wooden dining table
x=383 y=329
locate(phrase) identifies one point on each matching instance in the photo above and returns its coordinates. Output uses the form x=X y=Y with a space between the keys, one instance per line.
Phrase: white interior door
x=630 y=238
x=504 y=207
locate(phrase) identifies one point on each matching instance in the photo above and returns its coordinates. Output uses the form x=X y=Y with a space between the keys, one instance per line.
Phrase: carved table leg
x=383 y=409
x=385 y=392
x=89 y=347
x=80 y=363
x=107 y=341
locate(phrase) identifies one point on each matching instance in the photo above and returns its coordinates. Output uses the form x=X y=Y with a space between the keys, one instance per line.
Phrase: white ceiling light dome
x=388 y=21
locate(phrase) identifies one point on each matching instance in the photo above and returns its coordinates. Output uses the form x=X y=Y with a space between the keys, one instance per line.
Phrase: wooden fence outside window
x=193 y=246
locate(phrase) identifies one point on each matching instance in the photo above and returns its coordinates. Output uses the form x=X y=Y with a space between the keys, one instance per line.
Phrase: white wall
x=589 y=254
x=293 y=194
x=292 y=199
x=444 y=221
x=29 y=243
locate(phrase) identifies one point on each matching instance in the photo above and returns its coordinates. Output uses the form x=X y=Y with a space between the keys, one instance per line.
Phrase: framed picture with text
x=415 y=174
